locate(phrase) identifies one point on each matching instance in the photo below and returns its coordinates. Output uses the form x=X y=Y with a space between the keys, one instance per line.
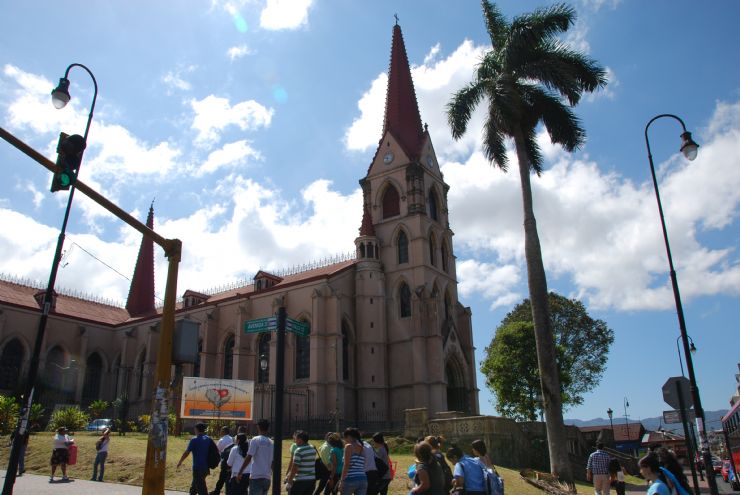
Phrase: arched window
x=263 y=350
x=229 y=358
x=391 y=202
x=140 y=374
x=370 y=250
x=11 y=361
x=196 y=366
x=93 y=373
x=445 y=256
x=362 y=250
x=403 y=248
x=432 y=250
x=303 y=355
x=433 y=205
x=56 y=361
x=404 y=294
x=345 y=351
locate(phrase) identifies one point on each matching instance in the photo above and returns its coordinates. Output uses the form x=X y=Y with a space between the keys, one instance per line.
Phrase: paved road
x=724 y=488
x=33 y=484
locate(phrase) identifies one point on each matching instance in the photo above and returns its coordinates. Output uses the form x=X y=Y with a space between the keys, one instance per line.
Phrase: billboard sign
x=216 y=398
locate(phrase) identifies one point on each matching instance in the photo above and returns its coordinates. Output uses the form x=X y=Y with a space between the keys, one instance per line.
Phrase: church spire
x=141 y=295
x=402 y=117
x=367 y=228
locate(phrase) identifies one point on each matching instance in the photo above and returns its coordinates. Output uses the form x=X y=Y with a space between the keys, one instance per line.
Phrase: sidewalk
x=34 y=484
x=724 y=488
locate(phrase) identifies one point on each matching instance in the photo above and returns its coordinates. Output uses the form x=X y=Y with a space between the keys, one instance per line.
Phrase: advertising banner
x=215 y=398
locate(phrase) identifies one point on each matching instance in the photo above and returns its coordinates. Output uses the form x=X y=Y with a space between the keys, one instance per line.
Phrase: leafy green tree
x=9 y=409
x=524 y=80
x=510 y=366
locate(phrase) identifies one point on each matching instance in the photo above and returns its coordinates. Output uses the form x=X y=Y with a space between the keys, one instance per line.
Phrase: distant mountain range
x=712 y=418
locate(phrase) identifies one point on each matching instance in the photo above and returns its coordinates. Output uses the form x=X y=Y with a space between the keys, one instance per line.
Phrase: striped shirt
x=304 y=458
x=356 y=469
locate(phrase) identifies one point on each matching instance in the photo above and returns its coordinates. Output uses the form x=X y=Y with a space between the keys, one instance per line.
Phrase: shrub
x=132 y=426
x=73 y=418
x=9 y=409
x=145 y=421
x=215 y=425
x=97 y=408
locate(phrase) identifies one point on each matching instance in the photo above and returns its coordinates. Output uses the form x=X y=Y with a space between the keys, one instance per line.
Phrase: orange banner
x=214 y=398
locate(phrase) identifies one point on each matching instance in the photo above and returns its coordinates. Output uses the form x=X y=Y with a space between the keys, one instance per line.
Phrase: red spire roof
x=141 y=295
x=367 y=228
x=402 y=117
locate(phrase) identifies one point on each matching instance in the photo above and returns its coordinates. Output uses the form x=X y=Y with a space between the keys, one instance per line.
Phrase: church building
x=387 y=331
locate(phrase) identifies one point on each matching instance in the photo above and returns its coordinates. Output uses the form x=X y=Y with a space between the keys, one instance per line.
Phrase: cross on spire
x=396 y=16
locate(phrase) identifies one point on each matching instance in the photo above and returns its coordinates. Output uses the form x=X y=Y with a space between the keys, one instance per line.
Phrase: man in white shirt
x=223 y=443
x=259 y=457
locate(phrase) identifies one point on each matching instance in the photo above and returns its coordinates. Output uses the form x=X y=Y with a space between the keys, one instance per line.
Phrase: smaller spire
x=141 y=294
x=367 y=228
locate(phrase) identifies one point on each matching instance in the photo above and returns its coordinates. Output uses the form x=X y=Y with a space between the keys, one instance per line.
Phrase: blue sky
x=251 y=122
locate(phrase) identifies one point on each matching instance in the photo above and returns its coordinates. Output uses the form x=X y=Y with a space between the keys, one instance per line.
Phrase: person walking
x=224 y=445
x=371 y=469
x=650 y=470
x=673 y=472
x=353 y=479
x=437 y=443
x=102 y=454
x=468 y=472
x=480 y=452
x=336 y=458
x=429 y=478
x=60 y=453
x=259 y=457
x=237 y=458
x=382 y=453
x=302 y=476
x=22 y=451
x=199 y=446
x=616 y=474
x=323 y=473
x=597 y=470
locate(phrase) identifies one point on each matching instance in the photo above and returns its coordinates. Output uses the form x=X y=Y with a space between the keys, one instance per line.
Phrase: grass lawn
x=126 y=456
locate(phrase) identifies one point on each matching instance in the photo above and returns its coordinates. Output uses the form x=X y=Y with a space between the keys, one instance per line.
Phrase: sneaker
x=64 y=478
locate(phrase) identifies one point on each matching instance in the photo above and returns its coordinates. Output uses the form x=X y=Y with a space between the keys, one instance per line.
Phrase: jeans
x=373 y=477
x=303 y=487
x=234 y=487
x=323 y=480
x=259 y=486
x=223 y=478
x=99 y=461
x=198 y=486
x=356 y=487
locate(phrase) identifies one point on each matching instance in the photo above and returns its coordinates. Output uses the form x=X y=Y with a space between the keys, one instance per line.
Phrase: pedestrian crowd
x=660 y=468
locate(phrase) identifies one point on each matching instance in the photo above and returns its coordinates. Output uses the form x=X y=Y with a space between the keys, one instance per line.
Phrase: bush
x=97 y=408
x=9 y=409
x=145 y=420
x=215 y=425
x=132 y=426
x=73 y=418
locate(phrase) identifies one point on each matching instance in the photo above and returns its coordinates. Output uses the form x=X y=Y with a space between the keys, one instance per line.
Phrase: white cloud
x=285 y=14
x=213 y=114
x=238 y=52
x=601 y=232
x=231 y=154
x=497 y=283
x=174 y=80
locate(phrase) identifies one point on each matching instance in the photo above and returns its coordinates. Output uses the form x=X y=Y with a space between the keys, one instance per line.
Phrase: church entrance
x=457 y=397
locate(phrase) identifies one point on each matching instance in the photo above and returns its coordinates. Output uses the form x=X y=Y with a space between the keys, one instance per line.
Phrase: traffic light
x=69 y=156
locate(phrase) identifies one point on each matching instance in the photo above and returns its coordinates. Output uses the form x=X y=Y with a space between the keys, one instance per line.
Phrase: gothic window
x=345 y=351
x=432 y=250
x=140 y=373
x=10 y=367
x=362 y=250
x=303 y=356
x=403 y=248
x=263 y=349
x=404 y=294
x=370 y=250
x=448 y=306
x=55 y=367
x=391 y=202
x=433 y=205
x=196 y=366
x=445 y=256
x=93 y=372
x=229 y=358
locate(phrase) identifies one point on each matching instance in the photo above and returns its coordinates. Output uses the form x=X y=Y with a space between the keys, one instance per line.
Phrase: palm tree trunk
x=544 y=339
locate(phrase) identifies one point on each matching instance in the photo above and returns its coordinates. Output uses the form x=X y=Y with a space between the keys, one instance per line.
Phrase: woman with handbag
x=383 y=461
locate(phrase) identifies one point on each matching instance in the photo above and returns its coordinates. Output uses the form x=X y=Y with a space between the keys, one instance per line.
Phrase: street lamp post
x=60 y=97
x=692 y=348
x=689 y=149
x=610 y=413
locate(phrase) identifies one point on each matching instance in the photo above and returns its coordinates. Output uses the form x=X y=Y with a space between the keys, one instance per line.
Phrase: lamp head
x=60 y=96
x=263 y=362
x=692 y=348
x=689 y=148
x=609 y=412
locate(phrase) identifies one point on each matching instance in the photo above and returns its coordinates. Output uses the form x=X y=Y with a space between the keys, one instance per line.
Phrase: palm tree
x=526 y=78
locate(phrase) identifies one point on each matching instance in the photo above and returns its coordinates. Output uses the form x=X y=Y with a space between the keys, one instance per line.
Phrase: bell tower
x=424 y=343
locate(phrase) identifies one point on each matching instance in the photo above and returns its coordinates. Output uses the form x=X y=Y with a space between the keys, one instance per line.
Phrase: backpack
x=381 y=466
x=214 y=458
x=494 y=482
x=225 y=457
x=445 y=470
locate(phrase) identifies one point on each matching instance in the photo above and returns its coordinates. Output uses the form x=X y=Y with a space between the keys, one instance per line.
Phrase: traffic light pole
x=157 y=446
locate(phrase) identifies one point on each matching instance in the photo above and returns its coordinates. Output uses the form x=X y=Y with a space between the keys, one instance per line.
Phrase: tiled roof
x=622 y=433
x=23 y=296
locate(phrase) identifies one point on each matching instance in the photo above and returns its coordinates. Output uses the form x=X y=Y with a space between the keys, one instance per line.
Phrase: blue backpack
x=494 y=482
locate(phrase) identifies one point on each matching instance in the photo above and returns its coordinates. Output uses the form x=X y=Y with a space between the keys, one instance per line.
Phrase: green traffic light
x=65 y=180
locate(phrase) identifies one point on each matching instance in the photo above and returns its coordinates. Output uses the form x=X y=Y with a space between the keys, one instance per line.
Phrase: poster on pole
x=216 y=398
